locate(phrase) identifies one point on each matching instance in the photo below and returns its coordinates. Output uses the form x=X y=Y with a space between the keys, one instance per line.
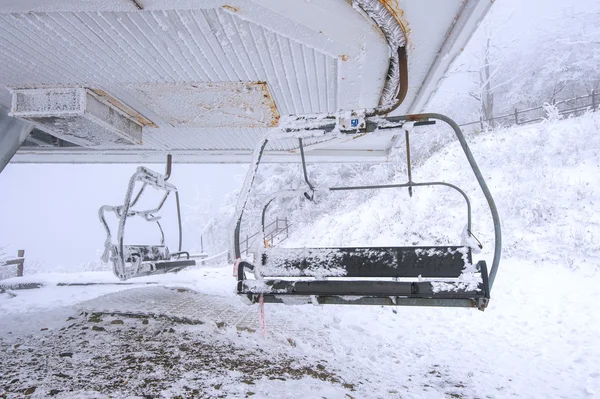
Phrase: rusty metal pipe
x=402 y=86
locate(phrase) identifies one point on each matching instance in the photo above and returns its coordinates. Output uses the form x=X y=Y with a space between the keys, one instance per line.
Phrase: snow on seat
x=432 y=275
x=156 y=259
x=431 y=261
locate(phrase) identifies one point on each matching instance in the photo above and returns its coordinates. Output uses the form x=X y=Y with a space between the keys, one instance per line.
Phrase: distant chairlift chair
x=143 y=260
x=414 y=276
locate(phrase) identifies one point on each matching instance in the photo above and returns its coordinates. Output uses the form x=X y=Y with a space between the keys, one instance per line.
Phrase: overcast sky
x=51 y=211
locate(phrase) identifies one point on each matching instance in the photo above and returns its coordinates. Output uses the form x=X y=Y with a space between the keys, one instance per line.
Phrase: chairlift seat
x=164 y=266
x=146 y=252
x=143 y=260
x=414 y=276
x=427 y=275
x=429 y=261
x=156 y=259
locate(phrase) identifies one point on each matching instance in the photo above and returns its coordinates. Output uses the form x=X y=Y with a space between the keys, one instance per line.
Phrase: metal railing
x=569 y=107
x=19 y=261
x=275 y=232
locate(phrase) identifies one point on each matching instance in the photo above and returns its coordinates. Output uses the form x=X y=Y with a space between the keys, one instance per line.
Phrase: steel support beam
x=13 y=133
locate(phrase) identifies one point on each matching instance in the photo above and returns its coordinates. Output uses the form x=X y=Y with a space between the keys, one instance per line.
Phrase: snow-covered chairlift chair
x=413 y=276
x=141 y=259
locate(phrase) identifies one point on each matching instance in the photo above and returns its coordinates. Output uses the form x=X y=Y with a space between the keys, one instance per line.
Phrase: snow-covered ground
x=539 y=338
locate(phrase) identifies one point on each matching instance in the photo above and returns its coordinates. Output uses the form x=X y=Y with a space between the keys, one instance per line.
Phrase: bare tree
x=484 y=66
x=486 y=75
x=485 y=95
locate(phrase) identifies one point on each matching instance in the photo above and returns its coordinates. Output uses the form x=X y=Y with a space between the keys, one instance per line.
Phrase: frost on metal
x=264 y=287
x=386 y=21
x=75 y=115
x=395 y=36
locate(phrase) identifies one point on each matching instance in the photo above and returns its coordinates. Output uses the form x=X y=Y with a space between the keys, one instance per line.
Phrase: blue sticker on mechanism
x=354 y=122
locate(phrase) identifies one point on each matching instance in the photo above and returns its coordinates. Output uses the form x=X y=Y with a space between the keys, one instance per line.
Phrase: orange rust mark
x=130 y=112
x=268 y=101
x=230 y=8
x=417 y=117
x=249 y=104
x=344 y=57
x=393 y=7
x=398 y=14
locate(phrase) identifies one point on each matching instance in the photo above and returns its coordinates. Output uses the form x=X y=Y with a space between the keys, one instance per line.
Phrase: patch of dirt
x=147 y=358
x=441 y=378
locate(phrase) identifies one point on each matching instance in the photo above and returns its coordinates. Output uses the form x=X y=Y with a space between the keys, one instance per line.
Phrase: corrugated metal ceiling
x=115 y=50
x=316 y=57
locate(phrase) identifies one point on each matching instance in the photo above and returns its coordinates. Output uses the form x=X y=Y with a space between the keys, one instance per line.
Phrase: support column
x=13 y=133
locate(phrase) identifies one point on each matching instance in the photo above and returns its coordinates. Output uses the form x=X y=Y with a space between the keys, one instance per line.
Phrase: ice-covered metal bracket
x=85 y=117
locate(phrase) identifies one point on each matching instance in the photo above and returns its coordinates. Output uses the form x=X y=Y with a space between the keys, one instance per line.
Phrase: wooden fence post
x=19 y=261
x=21 y=264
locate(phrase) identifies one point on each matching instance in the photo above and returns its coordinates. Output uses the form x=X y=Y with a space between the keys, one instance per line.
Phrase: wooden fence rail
x=19 y=261
x=568 y=107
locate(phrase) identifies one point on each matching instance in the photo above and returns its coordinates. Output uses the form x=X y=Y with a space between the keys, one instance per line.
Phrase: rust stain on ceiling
x=230 y=8
x=214 y=104
x=107 y=98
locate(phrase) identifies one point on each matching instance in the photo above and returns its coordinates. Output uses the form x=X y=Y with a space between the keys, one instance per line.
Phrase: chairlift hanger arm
x=374 y=124
x=167 y=174
x=409 y=185
x=310 y=196
x=376 y=187
x=245 y=193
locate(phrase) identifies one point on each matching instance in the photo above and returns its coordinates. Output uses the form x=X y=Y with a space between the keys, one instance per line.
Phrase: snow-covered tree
x=507 y=65
x=562 y=62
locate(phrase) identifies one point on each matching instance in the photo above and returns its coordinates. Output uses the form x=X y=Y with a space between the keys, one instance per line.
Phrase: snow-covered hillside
x=539 y=338
x=545 y=179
